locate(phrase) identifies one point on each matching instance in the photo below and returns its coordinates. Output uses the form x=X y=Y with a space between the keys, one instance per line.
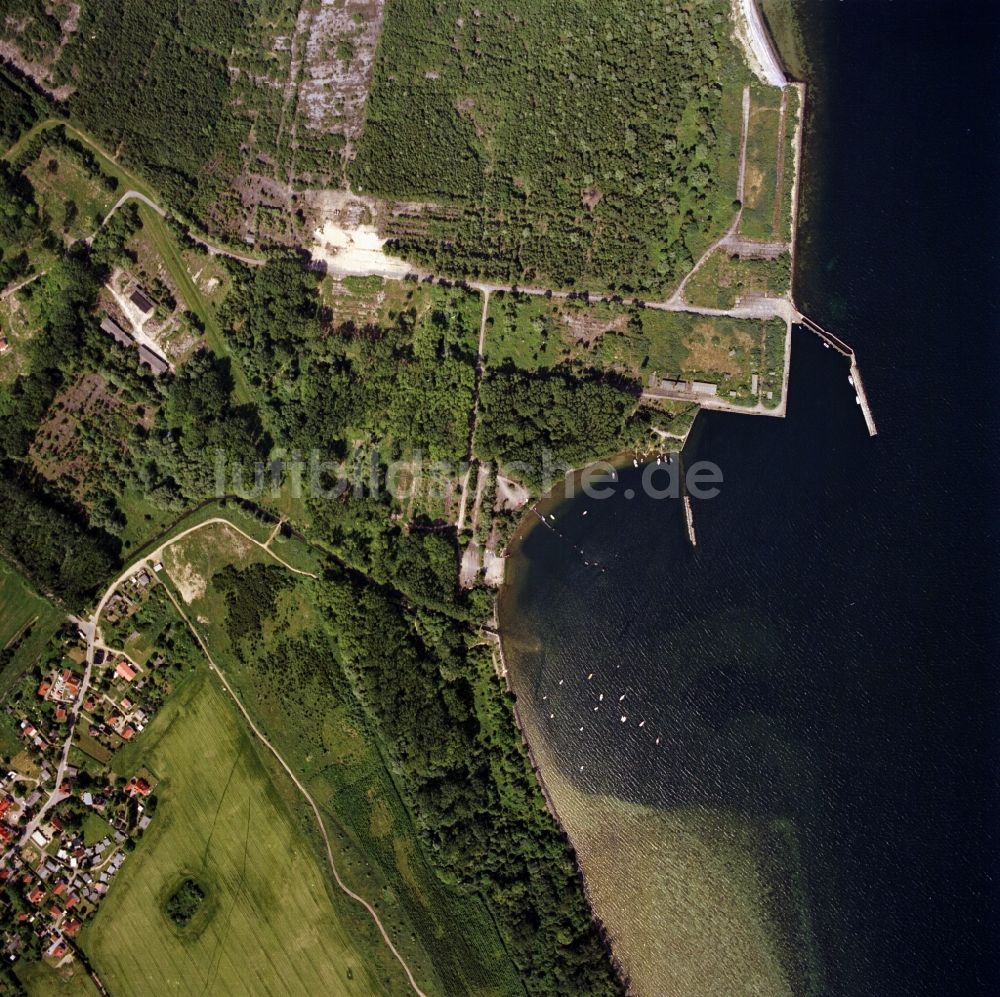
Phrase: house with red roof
x=136 y=786
x=125 y=671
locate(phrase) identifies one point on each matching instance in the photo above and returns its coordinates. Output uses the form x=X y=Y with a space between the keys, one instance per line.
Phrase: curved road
x=759 y=41
x=135 y=195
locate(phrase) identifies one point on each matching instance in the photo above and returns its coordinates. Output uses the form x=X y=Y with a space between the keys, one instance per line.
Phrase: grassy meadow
x=763 y=150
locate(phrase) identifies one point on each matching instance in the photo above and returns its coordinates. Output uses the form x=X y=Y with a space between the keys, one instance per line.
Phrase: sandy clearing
x=470 y=566
x=189 y=583
x=510 y=495
x=493 y=568
x=356 y=251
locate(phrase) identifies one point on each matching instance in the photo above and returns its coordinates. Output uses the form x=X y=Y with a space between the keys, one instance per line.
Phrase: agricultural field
x=269 y=914
x=526 y=154
x=724 y=279
x=330 y=748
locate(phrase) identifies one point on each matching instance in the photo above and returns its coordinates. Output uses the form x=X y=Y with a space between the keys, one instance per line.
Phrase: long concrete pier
x=841 y=347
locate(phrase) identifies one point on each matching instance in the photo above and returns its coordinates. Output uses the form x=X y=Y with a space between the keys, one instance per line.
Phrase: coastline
x=528 y=521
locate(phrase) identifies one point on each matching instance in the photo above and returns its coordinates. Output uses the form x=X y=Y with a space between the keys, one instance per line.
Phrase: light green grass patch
x=95 y=828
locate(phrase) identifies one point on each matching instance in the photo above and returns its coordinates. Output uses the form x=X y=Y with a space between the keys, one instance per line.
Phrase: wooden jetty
x=841 y=347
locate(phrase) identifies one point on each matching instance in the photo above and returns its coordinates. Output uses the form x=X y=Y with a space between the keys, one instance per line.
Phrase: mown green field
x=269 y=923
x=446 y=935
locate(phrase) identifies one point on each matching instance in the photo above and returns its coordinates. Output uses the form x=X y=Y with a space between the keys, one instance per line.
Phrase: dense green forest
x=20 y=108
x=155 y=85
x=567 y=417
x=565 y=142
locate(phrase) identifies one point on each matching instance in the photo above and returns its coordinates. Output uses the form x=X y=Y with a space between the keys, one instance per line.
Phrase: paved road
x=760 y=44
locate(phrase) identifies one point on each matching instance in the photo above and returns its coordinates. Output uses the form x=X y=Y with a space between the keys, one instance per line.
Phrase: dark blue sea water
x=828 y=655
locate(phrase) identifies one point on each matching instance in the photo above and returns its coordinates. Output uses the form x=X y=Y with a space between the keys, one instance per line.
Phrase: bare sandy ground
x=493 y=565
x=470 y=566
x=355 y=251
x=511 y=495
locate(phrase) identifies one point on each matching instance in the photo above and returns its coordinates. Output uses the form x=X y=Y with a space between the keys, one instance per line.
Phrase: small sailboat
x=601 y=697
x=642 y=723
x=624 y=718
x=635 y=462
